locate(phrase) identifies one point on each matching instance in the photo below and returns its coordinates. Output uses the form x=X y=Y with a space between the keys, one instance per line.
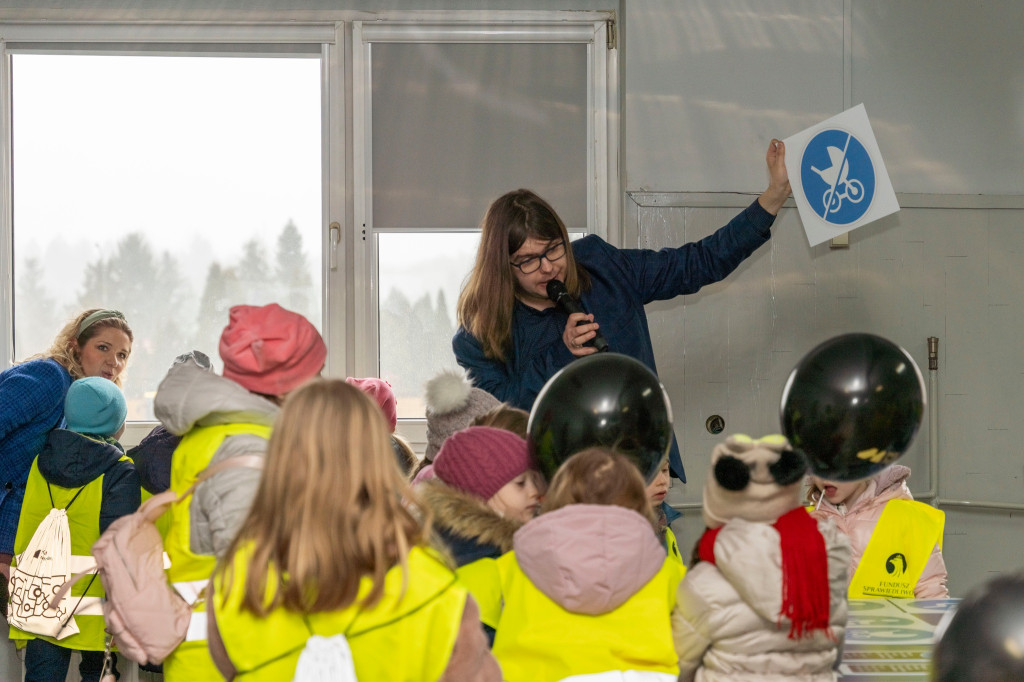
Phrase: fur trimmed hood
x=470 y=528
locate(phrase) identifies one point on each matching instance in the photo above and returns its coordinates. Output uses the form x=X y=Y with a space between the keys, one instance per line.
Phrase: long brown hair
x=329 y=508
x=488 y=296
x=599 y=475
x=66 y=346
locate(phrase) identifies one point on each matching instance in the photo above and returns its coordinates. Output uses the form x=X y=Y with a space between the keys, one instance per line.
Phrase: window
x=167 y=187
x=453 y=118
x=172 y=170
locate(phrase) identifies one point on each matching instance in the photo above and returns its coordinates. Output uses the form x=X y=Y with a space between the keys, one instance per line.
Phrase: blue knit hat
x=95 y=405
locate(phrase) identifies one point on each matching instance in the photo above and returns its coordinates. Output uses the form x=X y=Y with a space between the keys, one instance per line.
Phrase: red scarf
x=805 y=589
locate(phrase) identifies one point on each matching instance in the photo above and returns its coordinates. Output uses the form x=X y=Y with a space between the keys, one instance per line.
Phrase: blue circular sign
x=838 y=176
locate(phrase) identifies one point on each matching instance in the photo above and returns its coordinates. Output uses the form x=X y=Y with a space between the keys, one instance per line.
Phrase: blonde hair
x=69 y=341
x=489 y=295
x=599 y=476
x=328 y=509
x=405 y=456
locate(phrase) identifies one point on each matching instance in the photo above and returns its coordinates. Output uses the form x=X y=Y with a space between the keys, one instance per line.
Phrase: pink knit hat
x=270 y=350
x=379 y=390
x=480 y=460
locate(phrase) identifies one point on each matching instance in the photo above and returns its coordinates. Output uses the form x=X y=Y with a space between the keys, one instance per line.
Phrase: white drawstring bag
x=326 y=659
x=41 y=570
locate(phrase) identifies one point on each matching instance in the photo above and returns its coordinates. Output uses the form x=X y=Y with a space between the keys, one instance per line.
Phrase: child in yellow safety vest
x=331 y=550
x=895 y=542
x=588 y=588
x=267 y=352
x=484 y=490
x=82 y=469
x=656 y=492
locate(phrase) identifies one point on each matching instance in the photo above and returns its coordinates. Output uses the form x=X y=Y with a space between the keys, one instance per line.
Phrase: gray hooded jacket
x=190 y=396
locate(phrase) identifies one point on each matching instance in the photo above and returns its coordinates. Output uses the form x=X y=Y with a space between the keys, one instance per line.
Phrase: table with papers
x=891 y=639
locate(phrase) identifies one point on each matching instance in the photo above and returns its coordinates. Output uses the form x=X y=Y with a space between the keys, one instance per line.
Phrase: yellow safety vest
x=481 y=578
x=189 y=572
x=84 y=525
x=537 y=640
x=903 y=539
x=672 y=546
x=402 y=638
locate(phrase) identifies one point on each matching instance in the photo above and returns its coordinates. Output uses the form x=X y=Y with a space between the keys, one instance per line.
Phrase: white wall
x=707 y=85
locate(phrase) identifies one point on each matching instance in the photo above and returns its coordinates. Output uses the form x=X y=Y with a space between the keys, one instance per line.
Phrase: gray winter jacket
x=192 y=396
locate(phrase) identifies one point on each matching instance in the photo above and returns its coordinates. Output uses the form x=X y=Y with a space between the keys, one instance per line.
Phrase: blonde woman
x=328 y=548
x=95 y=343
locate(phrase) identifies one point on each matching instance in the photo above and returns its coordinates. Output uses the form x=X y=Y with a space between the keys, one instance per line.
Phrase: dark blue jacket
x=623 y=281
x=31 y=403
x=71 y=460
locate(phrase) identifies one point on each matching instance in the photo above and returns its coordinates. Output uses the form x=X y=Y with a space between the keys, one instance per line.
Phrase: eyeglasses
x=554 y=252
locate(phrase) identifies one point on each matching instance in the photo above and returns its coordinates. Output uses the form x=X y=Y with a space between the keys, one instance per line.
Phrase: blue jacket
x=31 y=403
x=72 y=460
x=623 y=281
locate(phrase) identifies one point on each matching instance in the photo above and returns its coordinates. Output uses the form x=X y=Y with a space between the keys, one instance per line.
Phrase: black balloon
x=606 y=399
x=853 y=405
x=985 y=638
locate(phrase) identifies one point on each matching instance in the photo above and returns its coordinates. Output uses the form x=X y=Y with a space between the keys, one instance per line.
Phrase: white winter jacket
x=727 y=625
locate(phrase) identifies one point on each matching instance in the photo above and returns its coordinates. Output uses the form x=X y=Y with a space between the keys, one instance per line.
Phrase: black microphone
x=560 y=295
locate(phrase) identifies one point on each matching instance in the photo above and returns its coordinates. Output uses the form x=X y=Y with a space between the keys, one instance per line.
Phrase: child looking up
x=587 y=588
x=81 y=469
x=665 y=515
x=483 y=492
x=895 y=542
x=329 y=548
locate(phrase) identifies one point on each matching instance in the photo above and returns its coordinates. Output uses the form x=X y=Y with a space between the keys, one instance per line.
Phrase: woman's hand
x=574 y=337
x=778 y=190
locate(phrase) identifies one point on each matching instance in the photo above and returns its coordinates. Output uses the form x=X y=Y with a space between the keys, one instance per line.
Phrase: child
x=267 y=353
x=380 y=391
x=483 y=492
x=767 y=598
x=452 y=405
x=82 y=469
x=895 y=542
x=329 y=515
x=587 y=588
x=656 y=492
x=506 y=417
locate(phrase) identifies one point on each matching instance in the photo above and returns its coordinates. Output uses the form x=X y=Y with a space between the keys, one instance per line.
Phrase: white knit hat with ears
x=755 y=480
x=452 y=405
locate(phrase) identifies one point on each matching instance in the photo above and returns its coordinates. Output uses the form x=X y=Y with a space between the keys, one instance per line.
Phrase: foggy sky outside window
x=170 y=188
x=454 y=126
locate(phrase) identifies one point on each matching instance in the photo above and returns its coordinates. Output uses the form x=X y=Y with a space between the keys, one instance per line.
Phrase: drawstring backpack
x=326 y=659
x=41 y=570
x=145 y=616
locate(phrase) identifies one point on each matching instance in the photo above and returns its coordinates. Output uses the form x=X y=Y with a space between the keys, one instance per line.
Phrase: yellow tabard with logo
x=893 y=561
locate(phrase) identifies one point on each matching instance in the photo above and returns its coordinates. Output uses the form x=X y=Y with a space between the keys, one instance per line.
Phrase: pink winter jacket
x=727 y=626
x=858 y=523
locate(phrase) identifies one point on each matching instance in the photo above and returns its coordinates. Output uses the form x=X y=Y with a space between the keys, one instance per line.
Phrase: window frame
x=595 y=29
x=325 y=40
x=348 y=260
